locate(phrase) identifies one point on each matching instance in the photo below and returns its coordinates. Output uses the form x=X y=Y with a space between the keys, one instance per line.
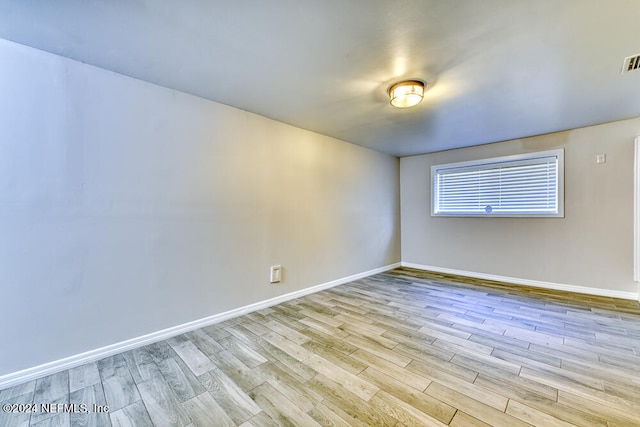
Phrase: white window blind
x=522 y=185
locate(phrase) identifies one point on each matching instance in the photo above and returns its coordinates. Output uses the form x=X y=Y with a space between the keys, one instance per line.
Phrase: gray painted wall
x=127 y=208
x=591 y=247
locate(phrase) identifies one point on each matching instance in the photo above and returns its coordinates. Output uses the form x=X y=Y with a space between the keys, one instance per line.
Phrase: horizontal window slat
x=518 y=179
x=477 y=177
x=498 y=171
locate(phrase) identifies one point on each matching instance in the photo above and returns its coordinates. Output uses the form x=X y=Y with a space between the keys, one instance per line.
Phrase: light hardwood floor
x=403 y=348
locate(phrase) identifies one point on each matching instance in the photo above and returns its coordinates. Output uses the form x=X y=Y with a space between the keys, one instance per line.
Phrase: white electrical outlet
x=601 y=158
x=276 y=274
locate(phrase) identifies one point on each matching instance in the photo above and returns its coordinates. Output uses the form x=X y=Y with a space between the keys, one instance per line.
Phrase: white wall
x=127 y=208
x=591 y=247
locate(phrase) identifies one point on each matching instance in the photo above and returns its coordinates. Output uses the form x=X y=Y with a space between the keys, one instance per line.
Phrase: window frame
x=558 y=153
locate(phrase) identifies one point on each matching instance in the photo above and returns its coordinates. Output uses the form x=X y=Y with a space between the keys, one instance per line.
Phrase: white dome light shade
x=407 y=93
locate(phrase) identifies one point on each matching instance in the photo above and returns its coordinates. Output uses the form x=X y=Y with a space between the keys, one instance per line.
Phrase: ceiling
x=496 y=69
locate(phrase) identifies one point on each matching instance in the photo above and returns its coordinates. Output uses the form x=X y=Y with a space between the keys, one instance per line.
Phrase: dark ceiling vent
x=631 y=63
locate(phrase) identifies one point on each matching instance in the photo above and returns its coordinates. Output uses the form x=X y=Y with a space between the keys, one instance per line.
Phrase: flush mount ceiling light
x=407 y=93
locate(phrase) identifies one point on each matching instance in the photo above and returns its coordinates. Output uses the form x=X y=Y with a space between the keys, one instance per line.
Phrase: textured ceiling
x=496 y=69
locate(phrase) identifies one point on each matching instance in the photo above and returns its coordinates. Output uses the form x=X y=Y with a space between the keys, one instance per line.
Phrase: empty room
x=335 y=213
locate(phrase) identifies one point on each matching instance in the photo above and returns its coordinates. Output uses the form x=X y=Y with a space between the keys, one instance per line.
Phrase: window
x=529 y=185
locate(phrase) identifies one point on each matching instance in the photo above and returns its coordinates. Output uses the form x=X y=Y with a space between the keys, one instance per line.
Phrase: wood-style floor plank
x=195 y=359
x=183 y=382
x=91 y=396
x=134 y=415
x=431 y=406
x=83 y=376
x=402 y=348
x=326 y=417
x=163 y=406
x=349 y=403
x=205 y=411
x=52 y=389
x=405 y=413
x=119 y=388
x=287 y=385
x=282 y=410
x=233 y=400
x=533 y=416
x=141 y=365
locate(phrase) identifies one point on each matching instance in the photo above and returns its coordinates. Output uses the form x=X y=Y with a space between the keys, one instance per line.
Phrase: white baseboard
x=45 y=369
x=528 y=282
